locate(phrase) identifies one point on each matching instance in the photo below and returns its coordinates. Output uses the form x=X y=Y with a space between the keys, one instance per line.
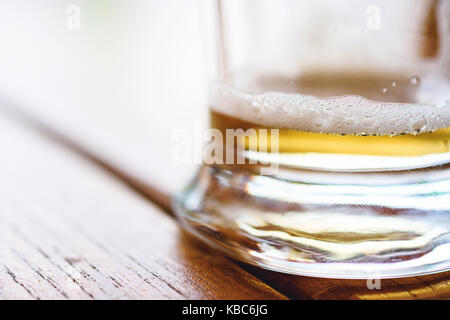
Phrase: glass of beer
x=330 y=138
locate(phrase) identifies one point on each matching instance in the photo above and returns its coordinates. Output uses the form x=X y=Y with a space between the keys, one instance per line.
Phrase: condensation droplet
x=255 y=106
x=414 y=80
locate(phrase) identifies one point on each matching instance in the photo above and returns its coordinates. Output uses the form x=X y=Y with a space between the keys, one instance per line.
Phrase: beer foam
x=348 y=114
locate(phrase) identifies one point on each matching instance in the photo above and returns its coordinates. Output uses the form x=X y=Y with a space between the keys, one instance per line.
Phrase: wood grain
x=435 y=286
x=71 y=230
x=427 y=287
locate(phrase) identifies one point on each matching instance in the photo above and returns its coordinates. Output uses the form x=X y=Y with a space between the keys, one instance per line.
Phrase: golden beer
x=331 y=138
x=295 y=141
x=358 y=149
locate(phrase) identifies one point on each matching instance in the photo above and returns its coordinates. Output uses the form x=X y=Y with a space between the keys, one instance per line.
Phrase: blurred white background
x=122 y=84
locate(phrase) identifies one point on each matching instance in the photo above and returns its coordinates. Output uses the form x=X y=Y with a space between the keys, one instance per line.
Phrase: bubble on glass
x=255 y=106
x=414 y=80
x=394 y=83
x=419 y=125
x=384 y=91
x=350 y=121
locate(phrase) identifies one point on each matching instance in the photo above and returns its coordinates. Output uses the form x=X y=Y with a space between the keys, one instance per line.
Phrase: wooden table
x=75 y=226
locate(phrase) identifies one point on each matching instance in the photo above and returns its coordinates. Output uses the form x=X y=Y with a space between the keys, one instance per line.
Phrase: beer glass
x=338 y=163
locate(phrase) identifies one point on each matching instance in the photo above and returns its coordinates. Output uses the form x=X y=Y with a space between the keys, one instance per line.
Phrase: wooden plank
x=70 y=230
x=436 y=286
x=427 y=287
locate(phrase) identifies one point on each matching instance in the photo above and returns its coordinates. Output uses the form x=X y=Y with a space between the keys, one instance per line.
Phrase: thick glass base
x=349 y=225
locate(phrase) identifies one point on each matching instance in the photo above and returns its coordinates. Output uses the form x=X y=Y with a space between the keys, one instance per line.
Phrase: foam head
x=348 y=114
